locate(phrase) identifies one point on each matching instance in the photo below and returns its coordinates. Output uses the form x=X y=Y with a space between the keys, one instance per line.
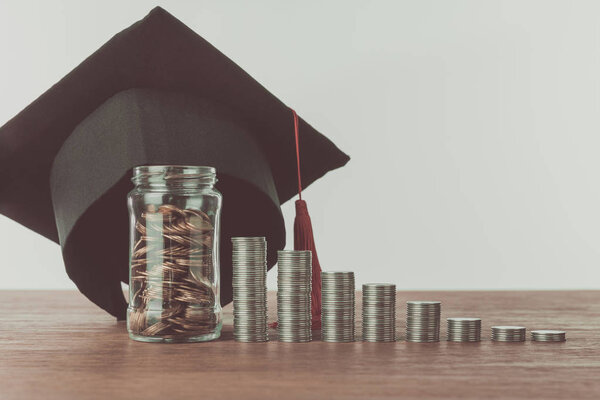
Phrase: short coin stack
x=464 y=329
x=423 y=321
x=548 y=336
x=337 y=306
x=508 y=333
x=379 y=312
x=294 y=277
x=249 y=289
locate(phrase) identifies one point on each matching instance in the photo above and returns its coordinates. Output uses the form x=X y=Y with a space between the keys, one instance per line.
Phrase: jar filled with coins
x=174 y=254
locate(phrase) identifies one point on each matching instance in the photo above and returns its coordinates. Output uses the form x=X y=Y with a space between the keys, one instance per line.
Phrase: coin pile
x=423 y=321
x=508 y=333
x=337 y=306
x=294 y=279
x=249 y=289
x=379 y=312
x=548 y=336
x=172 y=283
x=464 y=329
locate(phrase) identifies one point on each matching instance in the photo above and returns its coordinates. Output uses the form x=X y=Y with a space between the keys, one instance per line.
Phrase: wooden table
x=57 y=345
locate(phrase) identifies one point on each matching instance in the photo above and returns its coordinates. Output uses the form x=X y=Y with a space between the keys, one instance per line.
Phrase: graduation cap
x=156 y=93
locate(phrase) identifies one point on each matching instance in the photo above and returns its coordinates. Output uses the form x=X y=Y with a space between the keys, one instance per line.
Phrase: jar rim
x=174 y=168
x=159 y=175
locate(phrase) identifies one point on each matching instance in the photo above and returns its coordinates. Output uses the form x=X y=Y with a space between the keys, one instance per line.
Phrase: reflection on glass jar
x=174 y=255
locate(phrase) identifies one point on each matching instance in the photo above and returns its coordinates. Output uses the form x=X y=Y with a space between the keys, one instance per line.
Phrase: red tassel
x=304 y=240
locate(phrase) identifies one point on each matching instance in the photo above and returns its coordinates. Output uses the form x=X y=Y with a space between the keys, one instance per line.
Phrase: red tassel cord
x=304 y=240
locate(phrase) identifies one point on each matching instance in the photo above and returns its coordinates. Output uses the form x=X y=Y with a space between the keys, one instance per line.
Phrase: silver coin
x=423 y=321
x=463 y=329
x=249 y=289
x=294 y=285
x=508 y=333
x=337 y=306
x=548 y=336
x=379 y=312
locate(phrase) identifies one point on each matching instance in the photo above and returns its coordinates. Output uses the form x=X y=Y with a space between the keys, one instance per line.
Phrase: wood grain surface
x=58 y=345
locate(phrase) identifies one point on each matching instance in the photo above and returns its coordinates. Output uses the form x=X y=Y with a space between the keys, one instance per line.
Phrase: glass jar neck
x=174 y=177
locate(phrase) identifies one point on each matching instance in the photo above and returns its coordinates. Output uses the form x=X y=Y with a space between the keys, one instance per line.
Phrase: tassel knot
x=301 y=208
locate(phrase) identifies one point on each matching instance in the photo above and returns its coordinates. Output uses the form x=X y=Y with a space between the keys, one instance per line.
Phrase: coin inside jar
x=171 y=265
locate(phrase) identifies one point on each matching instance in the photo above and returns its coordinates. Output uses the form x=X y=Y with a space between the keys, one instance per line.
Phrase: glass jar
x=174 y=254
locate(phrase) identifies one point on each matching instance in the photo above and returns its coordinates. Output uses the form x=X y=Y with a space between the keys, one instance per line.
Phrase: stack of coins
x=548 y=336
x=379 y=312
x=464 y=329
x=294 y=279
x=423 y=321
x=250 y=289
x=337 y=306
x=508 y=333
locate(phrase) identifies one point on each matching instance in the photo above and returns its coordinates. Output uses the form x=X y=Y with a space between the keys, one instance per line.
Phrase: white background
x=473 y=127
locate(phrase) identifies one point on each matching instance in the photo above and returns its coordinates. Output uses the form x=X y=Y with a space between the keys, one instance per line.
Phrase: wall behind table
x=473 y=127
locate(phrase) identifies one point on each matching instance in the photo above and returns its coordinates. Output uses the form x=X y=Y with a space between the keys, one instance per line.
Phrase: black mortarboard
x=156 y=93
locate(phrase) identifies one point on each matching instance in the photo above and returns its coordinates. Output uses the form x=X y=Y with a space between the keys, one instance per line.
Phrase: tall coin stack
x=508 y=333
x=464 y=329
x=423 y=321
x=379 y=312
x=294 y=277
x=250 y=289
x=337 y=306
